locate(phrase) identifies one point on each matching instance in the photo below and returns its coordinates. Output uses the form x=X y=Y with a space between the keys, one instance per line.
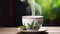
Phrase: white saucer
x=40 y=30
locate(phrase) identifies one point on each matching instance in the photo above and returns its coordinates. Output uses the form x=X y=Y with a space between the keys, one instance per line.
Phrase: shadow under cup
x=32 y=22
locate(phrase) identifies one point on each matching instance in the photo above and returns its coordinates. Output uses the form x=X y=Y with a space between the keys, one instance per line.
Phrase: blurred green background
x=51 y=11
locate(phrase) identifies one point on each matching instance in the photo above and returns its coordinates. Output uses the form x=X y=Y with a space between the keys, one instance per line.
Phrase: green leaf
x=31 y=25
x=22 y=27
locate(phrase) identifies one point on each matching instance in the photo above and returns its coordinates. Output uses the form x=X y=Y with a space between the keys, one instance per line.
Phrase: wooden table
x=13 y=30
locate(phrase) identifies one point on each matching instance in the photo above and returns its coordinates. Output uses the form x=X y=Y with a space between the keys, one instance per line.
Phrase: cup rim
x=32 y=16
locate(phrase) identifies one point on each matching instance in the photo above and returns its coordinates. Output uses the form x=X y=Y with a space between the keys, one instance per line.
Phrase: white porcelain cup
x=32 y=22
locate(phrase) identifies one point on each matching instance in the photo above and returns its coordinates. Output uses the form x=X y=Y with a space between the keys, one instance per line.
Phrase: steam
x=34 y=6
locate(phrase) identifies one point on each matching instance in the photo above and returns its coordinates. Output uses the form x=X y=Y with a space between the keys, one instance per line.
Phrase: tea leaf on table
x=22 y=27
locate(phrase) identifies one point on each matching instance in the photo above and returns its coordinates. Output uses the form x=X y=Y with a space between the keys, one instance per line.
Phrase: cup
x=32 y=22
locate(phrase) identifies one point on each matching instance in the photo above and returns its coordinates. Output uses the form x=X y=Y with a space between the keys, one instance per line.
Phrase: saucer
x=42 y=29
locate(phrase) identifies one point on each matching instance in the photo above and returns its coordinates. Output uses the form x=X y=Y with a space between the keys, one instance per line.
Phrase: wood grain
x=13 y=30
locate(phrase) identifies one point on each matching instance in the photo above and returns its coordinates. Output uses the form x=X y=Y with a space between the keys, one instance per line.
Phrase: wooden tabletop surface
x=13 y=30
